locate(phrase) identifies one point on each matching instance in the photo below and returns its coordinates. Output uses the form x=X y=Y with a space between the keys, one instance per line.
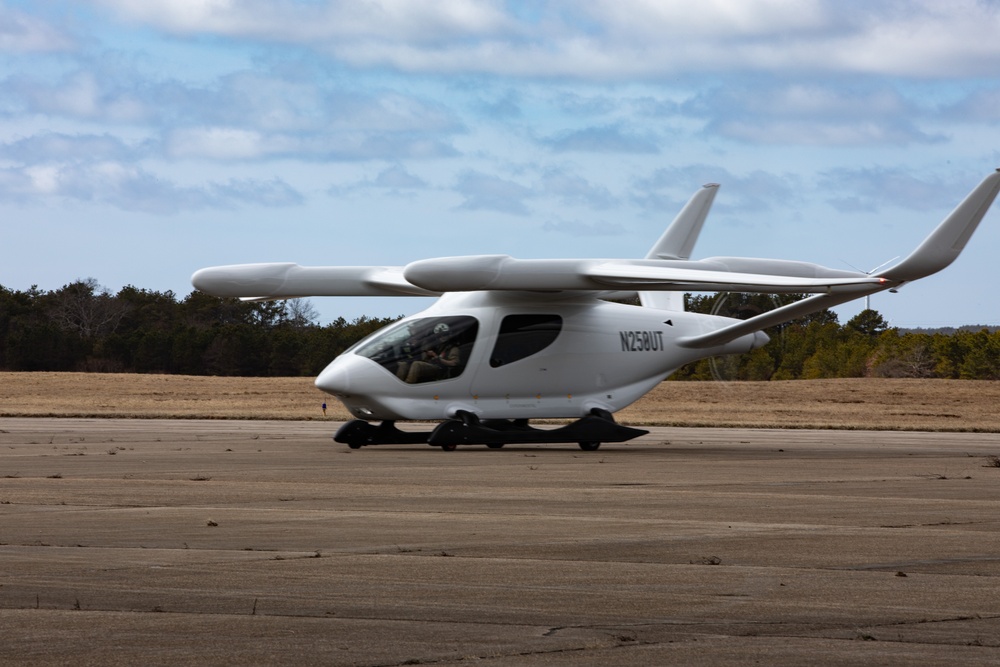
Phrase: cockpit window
x=424 y=350
x=524 y=335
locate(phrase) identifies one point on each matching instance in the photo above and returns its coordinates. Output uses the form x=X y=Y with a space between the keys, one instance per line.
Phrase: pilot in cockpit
x=439 y=353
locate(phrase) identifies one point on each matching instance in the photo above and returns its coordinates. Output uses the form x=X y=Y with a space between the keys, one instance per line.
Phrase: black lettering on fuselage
x=641 y=341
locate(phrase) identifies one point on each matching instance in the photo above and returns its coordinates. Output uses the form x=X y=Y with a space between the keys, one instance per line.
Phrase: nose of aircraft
x=335 y=378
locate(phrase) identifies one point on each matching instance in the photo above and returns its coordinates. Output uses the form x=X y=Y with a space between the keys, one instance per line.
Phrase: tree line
x=84 y=327
x=818 y=346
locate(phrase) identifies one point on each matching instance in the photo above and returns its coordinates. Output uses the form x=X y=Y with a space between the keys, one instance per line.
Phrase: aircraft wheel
x=495 y=445
x=450 y=447
x=590 y=446
x=355 y=445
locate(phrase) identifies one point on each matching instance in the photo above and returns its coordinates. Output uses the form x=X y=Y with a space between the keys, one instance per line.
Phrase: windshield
x=424 y=350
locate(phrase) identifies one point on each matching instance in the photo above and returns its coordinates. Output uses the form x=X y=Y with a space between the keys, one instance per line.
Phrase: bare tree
x=301 y=313
x=87 y=308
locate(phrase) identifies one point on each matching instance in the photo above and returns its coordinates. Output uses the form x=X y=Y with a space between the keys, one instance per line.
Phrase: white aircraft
x=517 y=339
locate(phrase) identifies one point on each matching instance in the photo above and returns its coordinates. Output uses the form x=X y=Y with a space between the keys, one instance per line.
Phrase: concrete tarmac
x=224 y=542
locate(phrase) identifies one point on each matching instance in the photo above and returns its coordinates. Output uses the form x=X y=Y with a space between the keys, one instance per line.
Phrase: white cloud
x=51 y=147
x=652 y=40
x=922 y=38
x=85 y=94
x=485 y=192
x=657 y=19
x=287 y=20
x=272 y=192
x=813 y=133
x=811 y=114
x=982 y=106
x=396 y=177
x=644 y=39
x=131 y=188
x=245 y=115
x=79 y=96
x=851 y=190
x=23 y=33
x=668 y=188
x=603 y=139
x=459 y=115
x=215 y=143
x=42 y=180
x=573 y=189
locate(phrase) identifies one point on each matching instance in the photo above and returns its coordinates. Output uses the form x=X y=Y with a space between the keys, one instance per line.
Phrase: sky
x=141 y=140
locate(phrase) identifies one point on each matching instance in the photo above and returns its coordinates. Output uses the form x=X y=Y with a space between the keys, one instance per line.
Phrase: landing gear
x=358 y=433
x=467 y=429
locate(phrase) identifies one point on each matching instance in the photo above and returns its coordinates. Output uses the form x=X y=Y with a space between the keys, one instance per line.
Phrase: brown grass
x=863 y=403
x=926 y=405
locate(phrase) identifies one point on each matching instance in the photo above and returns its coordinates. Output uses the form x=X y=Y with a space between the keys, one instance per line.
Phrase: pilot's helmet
x=441 y=329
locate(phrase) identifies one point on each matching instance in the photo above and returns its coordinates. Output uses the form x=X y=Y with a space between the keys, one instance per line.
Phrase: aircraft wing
x=433 y=277
x=286 y=280
x=501 y=272
x=698 y=279
x=666 y=269
x=671 y=272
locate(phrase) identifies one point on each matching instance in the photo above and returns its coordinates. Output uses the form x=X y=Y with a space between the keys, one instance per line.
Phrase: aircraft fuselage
x=559 y=358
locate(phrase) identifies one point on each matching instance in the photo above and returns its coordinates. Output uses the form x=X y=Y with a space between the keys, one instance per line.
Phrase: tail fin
x=679 y=239
x=945 y=243
x=678 y=243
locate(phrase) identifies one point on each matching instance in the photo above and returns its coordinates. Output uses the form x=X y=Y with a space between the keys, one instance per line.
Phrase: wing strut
x=812 y=304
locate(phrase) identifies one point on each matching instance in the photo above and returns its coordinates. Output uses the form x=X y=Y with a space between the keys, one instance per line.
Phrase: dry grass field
x=876 y=404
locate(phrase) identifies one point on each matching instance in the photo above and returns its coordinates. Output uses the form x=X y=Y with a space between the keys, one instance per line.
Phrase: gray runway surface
x=180 y=542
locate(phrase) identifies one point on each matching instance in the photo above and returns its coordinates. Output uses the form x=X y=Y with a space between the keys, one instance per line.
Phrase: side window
x=522 y=336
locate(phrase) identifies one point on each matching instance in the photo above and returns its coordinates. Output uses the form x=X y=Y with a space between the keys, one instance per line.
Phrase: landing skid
x=358 y=433
x=589 y=432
